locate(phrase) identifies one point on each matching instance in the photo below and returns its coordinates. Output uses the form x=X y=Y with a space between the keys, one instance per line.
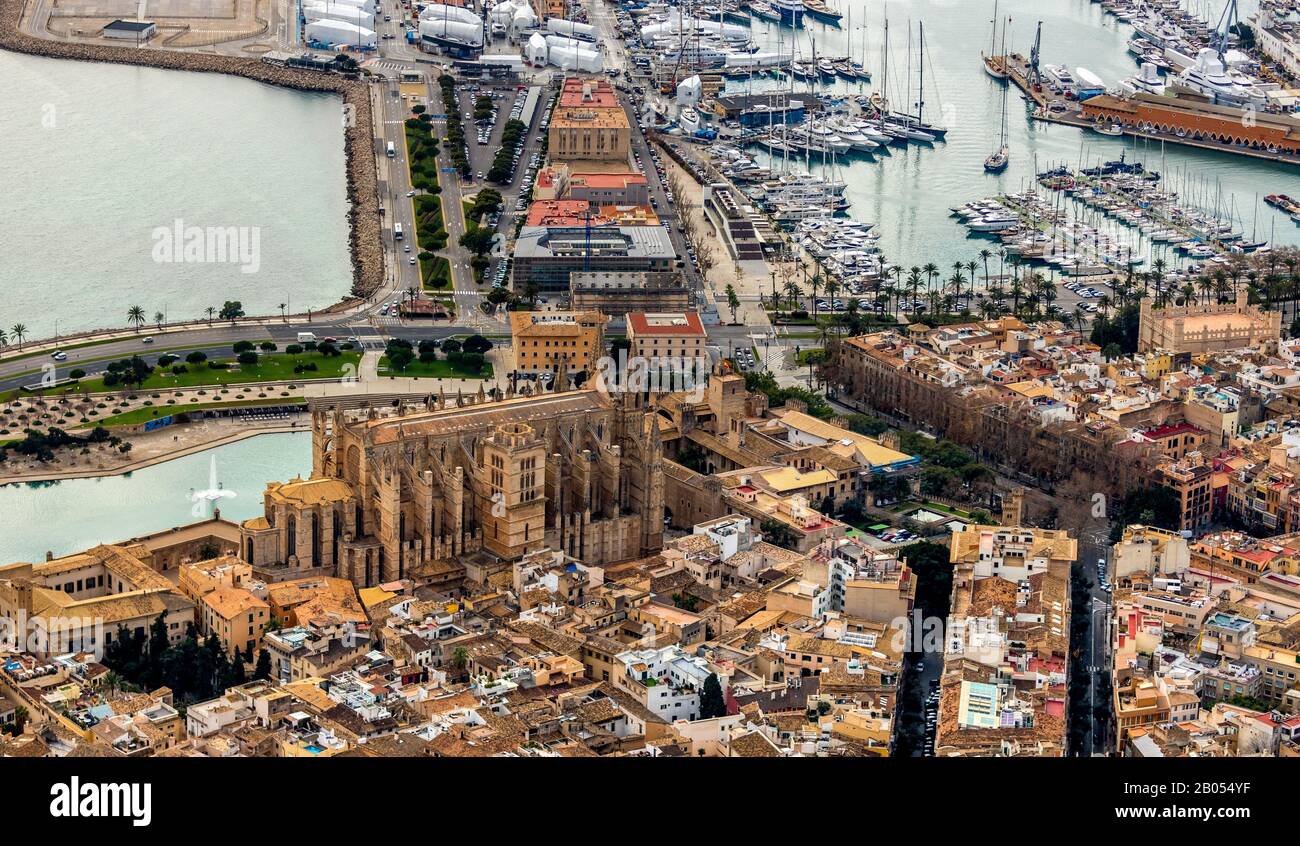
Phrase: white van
x=306 y=337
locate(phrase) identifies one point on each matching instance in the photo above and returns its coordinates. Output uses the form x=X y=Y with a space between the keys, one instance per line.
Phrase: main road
x=364 y=320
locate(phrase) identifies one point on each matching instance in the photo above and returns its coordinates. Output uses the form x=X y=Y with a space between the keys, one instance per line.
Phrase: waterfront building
x=653 y=335
x=1198 y=328
x=615 y=293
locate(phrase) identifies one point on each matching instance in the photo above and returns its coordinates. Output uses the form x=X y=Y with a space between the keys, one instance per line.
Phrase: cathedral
x=576 y=471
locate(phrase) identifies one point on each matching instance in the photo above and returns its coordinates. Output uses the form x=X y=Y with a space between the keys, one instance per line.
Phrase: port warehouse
x=1200 y=121
x=758 y=110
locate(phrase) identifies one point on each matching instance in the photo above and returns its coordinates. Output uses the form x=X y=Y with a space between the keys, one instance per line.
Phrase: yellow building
x=84 y=601
x=589 y=124
x=236 y=617
x=543 y=341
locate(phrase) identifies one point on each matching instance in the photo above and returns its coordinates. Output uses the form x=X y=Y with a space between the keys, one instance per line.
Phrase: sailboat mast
x=920 y=89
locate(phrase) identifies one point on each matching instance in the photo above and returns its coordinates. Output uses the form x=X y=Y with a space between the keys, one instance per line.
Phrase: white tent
x=314 y=11
x=536 y=50
x=560 y=26
x=524 y=20
x=443 y=12
x=460 y=32
x=689 y=91
x=340 y=33
x=369 y=5
x=502 y=13
x=568 y=57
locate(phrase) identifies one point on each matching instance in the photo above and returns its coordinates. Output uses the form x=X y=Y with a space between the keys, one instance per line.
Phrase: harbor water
x=103 y=160
x=908 y=191
x=68 y=516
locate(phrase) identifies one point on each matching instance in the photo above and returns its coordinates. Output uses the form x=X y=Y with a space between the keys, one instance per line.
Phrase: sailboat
x=998 y=160
x=995 y=66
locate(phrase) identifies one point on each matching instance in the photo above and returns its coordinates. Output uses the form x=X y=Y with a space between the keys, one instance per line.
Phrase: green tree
x=263 y=668
x=778 y=533
x=712 y=702
x=733 y=301
x=135 y=316
x=232 y=310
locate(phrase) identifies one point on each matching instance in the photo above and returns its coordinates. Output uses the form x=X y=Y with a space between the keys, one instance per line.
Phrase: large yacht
x=1148 y=80
x=1209 y=77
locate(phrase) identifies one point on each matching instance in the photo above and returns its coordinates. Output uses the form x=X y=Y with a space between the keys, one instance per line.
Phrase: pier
x=1050 y=108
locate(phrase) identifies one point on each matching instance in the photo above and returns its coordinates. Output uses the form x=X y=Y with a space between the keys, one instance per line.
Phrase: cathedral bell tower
x=514 y=515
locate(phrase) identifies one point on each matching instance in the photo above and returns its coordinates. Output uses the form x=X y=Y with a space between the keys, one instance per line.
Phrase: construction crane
x=1034 y=76
x=1227 y=21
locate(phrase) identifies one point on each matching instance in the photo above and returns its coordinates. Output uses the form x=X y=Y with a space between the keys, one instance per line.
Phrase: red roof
x=639 y=324
x=600 y=94
x=1174 y=429
x=560 y=213
x=606 y=180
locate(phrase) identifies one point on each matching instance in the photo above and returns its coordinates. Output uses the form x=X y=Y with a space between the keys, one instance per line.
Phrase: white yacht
x=1061 y=76
x=1209 y=77
x=856 y=138
x=1148 y=80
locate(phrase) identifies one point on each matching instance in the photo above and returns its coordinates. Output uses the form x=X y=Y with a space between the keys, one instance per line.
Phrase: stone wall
x=365 y=245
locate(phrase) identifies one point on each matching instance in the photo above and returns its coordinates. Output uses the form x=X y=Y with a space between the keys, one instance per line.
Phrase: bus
x=397 y=231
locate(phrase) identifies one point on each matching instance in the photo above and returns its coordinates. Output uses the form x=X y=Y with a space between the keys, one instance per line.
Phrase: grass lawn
x=440 y=369
x=913 y=505
x=435 y=273
x=815 y=353
x=276 y=367
x=140 y=415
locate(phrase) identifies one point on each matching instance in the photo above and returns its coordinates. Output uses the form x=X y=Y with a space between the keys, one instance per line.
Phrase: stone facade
x=577 y=472
x=1199 y=329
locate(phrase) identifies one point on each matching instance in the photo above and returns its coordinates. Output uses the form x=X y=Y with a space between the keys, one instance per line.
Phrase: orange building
x=1197 y=121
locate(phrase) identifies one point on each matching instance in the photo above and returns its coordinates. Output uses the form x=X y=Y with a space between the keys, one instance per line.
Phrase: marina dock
x=1190 y=117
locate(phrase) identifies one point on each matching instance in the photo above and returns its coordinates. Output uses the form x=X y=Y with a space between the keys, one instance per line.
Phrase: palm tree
x=985 y=255
x=4 y=338
x=795 y=295
x=897 y=272
x=135 y=315
x=952 y=300
x=19 y=332
x=970 y=274
x=830 y=288
x=283 y=306
x=913 y=285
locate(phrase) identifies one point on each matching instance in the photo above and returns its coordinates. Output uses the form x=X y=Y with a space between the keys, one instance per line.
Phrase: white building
x=667 y=681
